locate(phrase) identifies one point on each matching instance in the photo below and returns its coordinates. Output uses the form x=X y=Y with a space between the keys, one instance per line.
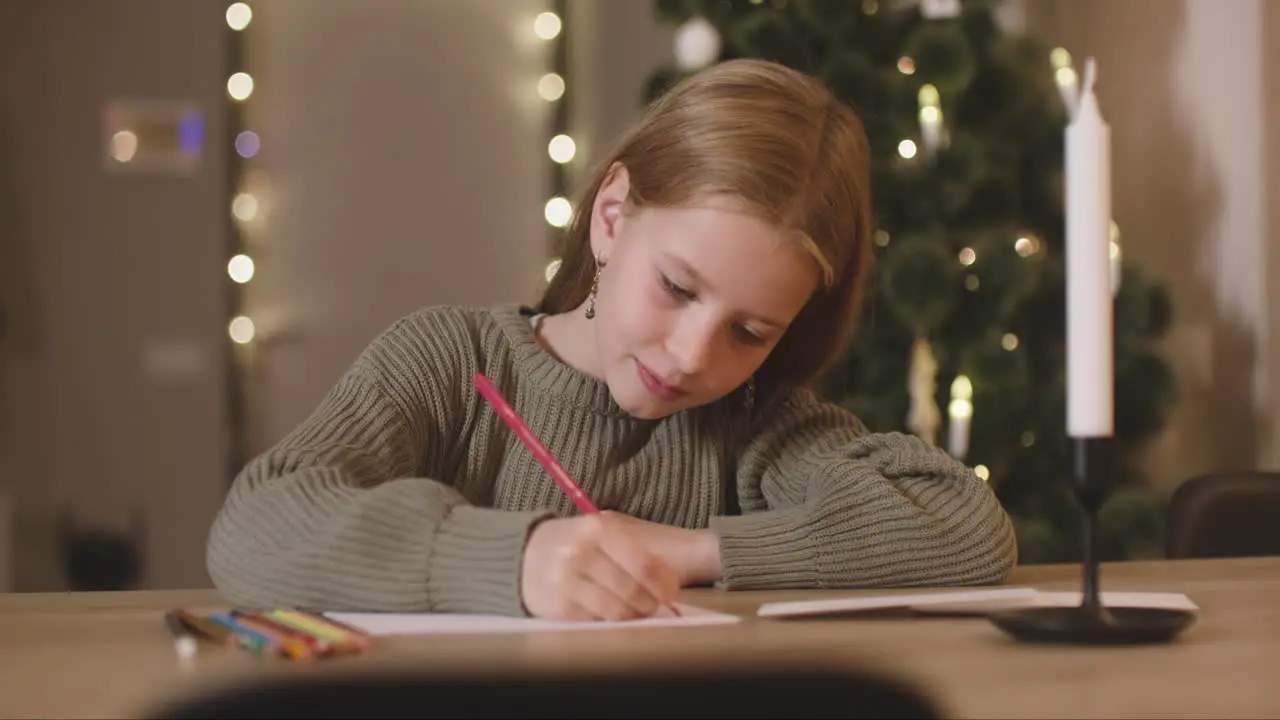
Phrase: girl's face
x=691 y=300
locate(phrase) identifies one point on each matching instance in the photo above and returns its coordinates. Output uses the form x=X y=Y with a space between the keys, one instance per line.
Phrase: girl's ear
x=606 y=211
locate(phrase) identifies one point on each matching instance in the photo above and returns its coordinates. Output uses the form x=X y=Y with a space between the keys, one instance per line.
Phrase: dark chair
x=1227 y=514
x=775 y=692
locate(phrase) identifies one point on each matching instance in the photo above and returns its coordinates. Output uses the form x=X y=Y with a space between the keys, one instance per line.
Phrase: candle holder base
x=1091 y=622
x=1079 y=625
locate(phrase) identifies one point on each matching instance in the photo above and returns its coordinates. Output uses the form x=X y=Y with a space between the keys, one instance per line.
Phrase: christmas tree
x=963 y=336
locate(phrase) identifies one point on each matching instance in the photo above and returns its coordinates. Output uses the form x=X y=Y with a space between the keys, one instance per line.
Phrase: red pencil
x=539 y=451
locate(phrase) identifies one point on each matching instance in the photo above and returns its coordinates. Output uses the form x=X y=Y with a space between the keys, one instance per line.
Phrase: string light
x=242 y=329
x=247 y=144
x=552 y=26
x=907 y=149
x=240 y=268
x=968 y=256
x=124 y=145
x=245 y=209
x=240 y=86
x=553 y=267
x=547 y=25
x=561 y=148
x=558 y=211
x=239 y=15
x=551 y=87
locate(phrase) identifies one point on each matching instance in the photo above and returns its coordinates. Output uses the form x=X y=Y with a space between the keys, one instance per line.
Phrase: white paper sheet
x=381 y=624
x=969 y=602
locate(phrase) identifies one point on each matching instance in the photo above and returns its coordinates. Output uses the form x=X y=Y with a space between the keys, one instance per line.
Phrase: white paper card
x=381 y=624
x=1161 y=600
x=970 y=602
x=975 y=598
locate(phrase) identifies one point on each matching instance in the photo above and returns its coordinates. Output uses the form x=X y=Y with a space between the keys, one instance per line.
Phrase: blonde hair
x=778 y=141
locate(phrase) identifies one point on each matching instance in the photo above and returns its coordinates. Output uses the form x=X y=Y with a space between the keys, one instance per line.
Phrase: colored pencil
x=250 y=639
x=309 y=623
x=202 y=627
x=287 y=642
x=317 y=645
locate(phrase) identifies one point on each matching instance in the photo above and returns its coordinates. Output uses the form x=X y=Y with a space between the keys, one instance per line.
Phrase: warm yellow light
x=124 y=145
x=1059 y=58
x=906 y=65
x=551 y=87
x=547 y=25
x=1065 y=76
x=240 y=86
x=239 y=15
x=241 y=330
x=962 y=388
x=244 y=207
x=553 y=267
x=558 y=211
x=1009 y=342
x=561 y=148
x=968 y=256
x=929 y=96
x=982 y=472
x=1026 y=246
x=240 y=268
x=907 y=149
x=930 y=114
x=960 y=409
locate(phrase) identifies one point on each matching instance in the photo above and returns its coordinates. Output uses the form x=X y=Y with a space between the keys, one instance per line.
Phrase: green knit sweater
x=404 y=490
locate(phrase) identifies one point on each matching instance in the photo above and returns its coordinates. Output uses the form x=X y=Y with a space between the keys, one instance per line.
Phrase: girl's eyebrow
x=684 y=267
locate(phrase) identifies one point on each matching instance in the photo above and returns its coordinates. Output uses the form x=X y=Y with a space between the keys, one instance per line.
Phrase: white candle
x=930 y=119
x=1065 y=79
x=1117 y=263
x=1090 y=371
x=960 y=411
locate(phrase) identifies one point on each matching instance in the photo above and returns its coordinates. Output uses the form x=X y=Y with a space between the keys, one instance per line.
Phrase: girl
x=713 y=269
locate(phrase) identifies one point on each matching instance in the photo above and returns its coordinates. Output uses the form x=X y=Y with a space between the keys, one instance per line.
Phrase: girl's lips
x=655 y=385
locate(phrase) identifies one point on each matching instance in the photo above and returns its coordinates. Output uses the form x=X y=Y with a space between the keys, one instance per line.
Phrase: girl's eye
x=675 y=290
x=749 y=337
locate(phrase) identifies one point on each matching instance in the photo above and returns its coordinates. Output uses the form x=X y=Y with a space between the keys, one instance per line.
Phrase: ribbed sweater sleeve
x=354 y=508
x=826 y=504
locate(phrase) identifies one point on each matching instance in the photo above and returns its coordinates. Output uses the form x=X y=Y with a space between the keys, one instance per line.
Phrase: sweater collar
x=534 y=363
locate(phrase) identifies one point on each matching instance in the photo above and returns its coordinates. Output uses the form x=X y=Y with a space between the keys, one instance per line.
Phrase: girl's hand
x=594 y=567
x=693 y=554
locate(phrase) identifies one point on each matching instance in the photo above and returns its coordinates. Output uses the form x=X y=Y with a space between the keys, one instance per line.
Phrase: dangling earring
x=750 y=399
x=595 y=287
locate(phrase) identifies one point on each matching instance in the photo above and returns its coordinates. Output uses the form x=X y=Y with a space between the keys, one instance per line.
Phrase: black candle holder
x=1090 y=623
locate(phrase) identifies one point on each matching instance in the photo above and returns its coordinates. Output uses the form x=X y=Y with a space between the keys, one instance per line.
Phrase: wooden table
x=108 y=654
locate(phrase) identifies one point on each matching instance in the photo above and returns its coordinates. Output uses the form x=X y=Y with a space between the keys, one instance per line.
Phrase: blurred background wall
x=403 y=163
